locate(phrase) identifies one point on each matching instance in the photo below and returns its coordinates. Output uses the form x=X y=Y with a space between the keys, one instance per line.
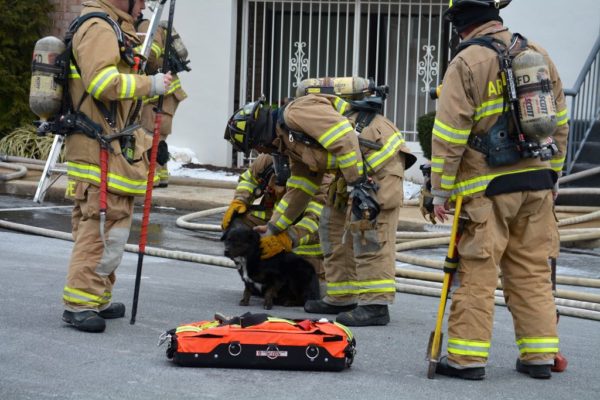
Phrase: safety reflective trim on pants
x=100 y=81
x=538 y=345
x=437 y=164
x=557 y=164
x=308 y=250
x=259 y=214
x=562 y=117
x=388 y=150
x=127 y=86
x=492 y=107
x=121 y=183
x=298 y=182
x=449 y=134
x=480 y=183
x=358 y=287
x=80 y=297
x=447 y=182
x=463 y=347
x=308 y=224
x=335 y=132
x=315 y=208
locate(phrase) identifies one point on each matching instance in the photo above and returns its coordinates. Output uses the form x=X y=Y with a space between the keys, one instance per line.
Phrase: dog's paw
x=244 y=302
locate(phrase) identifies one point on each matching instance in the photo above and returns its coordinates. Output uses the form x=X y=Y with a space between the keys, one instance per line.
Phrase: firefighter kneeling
x=317 y=133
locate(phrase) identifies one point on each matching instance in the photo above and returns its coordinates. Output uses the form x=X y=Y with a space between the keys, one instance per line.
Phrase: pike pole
x=150 y=182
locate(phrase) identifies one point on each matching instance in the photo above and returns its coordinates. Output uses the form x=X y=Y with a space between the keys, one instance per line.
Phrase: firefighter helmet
x=456 y=6
x=250 y=127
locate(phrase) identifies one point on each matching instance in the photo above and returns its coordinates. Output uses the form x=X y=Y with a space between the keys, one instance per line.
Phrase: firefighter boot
x=87 y=321
x=473 y=374
x=320 y=307
x=535 y=371
x=365 y=316
x=114 y=310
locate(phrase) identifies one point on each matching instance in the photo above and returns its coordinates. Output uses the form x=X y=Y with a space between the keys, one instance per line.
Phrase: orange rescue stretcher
x=262 y=341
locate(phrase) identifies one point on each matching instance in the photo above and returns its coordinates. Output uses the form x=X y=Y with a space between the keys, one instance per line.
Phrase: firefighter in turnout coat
x=171 y=101
x=317 y=133
x=102 y=81
x=263 y=181
x=511 y=223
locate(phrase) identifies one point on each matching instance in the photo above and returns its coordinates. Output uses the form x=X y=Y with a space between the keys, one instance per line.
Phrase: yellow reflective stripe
x=247 y=175
x=491 y=107
x=99 y=83
x=557 y=164
x=449 y=134
x=246 y=186
x=259 y=214
x=92 y=173
x=283 y=222
x=345 y=329
x=347 y=160
x=127 y=86
x=480 y=183
x=335 y=132
x=287 y=321
x=390 y=148
x=77 y=296
x=538 y=345
x=308 y=224
x=308 y=249
x=437 y=164
x=358 y=287
x=331 y=161
x=156 y=49
x=298 y=182
x=314 y=208
x=73 y=73
x=282 y=206
x=176 y=84
x=447 y=182
x=562 y=117
x=340 y=105
x=469 y=347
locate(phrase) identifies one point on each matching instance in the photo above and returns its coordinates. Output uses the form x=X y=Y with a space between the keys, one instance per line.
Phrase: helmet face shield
x=250 y=126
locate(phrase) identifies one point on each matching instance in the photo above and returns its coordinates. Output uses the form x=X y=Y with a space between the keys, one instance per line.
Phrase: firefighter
x=171 y=101
x=265 y=179
x=317 y=132
x=508 y=196
x=103 y=83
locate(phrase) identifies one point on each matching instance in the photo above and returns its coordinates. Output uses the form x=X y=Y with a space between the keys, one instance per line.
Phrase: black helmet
x=463 y=13
x=251 y=126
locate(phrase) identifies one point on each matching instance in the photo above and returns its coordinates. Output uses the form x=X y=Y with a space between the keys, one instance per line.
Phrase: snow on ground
x=181 y=156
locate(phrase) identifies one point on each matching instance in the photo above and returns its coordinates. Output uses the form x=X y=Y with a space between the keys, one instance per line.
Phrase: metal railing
x=585 y=106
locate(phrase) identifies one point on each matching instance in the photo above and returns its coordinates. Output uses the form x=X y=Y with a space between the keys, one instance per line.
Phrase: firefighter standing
x=509 y=206
x=103 y=83
x=265 y=181
x=317 y=133
x=171 y=101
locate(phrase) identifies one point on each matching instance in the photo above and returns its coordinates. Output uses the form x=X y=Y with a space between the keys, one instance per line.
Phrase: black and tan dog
x=285 y=279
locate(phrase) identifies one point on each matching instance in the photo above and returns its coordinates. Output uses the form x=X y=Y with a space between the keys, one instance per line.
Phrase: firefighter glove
x=338 y=194
x=364 y=200
x=426 y=205
x=274 y=244
x=236 y=207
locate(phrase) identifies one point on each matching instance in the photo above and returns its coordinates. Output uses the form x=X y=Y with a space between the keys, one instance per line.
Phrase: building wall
x=65 y=12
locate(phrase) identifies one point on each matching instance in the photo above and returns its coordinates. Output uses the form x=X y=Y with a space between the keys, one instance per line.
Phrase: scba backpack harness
x=262 y=341
x=526 y=129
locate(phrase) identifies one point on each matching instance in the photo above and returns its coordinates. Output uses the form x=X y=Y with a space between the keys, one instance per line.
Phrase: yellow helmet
x=251 y=126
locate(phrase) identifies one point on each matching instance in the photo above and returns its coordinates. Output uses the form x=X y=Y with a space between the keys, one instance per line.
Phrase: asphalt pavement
x=42 y=358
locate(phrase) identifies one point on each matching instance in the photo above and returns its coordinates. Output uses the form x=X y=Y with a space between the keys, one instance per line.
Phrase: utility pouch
x=498 y=146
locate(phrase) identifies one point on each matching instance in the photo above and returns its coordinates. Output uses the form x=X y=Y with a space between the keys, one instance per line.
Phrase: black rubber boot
x=115 y=310
x=473 y=374
x=86 y=321
x=365 y=316
x=535 y=371
x=320 y=307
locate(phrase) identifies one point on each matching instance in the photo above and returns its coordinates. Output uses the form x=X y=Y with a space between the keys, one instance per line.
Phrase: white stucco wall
x=207 y=28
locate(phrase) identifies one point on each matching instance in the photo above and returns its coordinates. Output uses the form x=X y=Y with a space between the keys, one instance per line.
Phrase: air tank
x=537 y=106
x=348 y=87
x=45 y=94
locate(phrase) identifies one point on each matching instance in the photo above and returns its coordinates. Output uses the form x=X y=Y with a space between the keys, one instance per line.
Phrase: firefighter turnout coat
x=363 y=266
x=509 y=209
x=100 y=73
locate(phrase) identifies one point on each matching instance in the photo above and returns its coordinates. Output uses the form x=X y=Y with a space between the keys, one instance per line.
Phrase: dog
x=285 y=279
